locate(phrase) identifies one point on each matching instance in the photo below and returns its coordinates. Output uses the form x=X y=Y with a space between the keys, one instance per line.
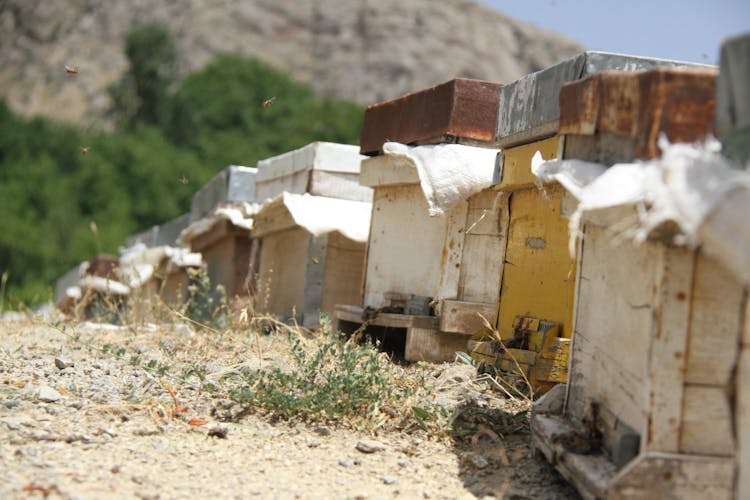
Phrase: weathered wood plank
x=746 y=327
x=742 y=424
x=484 y=248
x=529 y=108
x=273 y=219
x=668 y=346
x=296 y=182
x=233 y=183
x=344 y=273
x=452 y=252
x=464 y=317
x=315 y=268
x=539 y=273
x=589 y=474
x=614 y=323
x=405 y=253
x=281 y=277
x=733 y=98
x=423 y=344
x=388 y=171
x=715 y=327
x=661 y=476
x=222 y=229
x=707 y=422
x=338 y=185
x=481 y=269
x=353 y=314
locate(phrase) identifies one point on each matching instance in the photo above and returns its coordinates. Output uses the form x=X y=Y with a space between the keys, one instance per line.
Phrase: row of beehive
x=461 y=233
x=287 y=236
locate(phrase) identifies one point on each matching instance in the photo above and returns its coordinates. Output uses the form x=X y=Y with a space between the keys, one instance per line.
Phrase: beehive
x=319 y=168
x=658 y=324
x=311 y=231
x=540 y=285
x=234 y=184
x=312 y=255
x=431 y=267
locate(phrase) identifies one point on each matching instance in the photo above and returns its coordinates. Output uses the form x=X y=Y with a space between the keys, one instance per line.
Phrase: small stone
x=62 y=364
x=146 y=432
x=54 y=410
x=405 y=463
x=48 y=394
x=345 y=462
x=389 y=480
x=44 y=464
x=11 y=403
x=218 y=432
x=323 y=431
x=369 y=446
x=470 y=480
x=476 y=460
x=477 y=491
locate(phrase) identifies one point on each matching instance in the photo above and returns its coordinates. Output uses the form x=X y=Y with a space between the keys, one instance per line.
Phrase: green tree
x=133 y=178
x=142 y=96
x=220 y=113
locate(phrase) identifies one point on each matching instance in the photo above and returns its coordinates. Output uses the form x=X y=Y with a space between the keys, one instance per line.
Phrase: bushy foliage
x=331 y=378
x=142 y=96
x=56 y=179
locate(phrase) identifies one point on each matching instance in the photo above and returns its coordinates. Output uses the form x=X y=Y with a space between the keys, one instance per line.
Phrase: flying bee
x=84 y=150
x=71 y=69
x=184 y=180
x=268 y=102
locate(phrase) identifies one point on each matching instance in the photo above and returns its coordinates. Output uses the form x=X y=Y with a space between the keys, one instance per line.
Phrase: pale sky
x=688 y=30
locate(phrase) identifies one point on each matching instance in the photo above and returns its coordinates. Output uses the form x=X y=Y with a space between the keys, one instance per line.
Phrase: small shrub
x=331 y=380
x=205 y=305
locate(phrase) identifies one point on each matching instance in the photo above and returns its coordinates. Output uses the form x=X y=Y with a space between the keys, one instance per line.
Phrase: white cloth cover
x=691 y=185
x=239 y=214
x=321 y=215
x=448 y=173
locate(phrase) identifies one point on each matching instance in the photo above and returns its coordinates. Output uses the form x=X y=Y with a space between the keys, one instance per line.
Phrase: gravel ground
x=81 y=416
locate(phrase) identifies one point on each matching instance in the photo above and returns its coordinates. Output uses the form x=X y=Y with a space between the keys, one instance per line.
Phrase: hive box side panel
x=406 y=244
x=281 y=278
x=670 y=476
x=668 y=350
x=614 y=324
x=296 y=183
x=484 y=248
x=174 y=288
x=715 y=324
x=344 y=272
x=539 y=273
x=452 y=252
x=707 y=421
x=742 y=420
x=340 y=185
x=223 y=266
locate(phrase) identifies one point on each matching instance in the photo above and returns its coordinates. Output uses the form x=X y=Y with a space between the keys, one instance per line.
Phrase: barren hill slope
x=364 y=50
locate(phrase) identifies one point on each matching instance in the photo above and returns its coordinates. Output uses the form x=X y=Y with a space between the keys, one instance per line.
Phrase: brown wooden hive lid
x=461 y=108
x=679 y=102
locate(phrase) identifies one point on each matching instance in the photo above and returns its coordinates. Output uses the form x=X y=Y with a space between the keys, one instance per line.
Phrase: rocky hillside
x=364 y=50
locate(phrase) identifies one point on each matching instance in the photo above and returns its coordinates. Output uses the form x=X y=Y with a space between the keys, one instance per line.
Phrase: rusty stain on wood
x=460 y=108
x=679 y=102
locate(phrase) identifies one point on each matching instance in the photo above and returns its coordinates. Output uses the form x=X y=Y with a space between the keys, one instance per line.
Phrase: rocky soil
x=86 y=412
